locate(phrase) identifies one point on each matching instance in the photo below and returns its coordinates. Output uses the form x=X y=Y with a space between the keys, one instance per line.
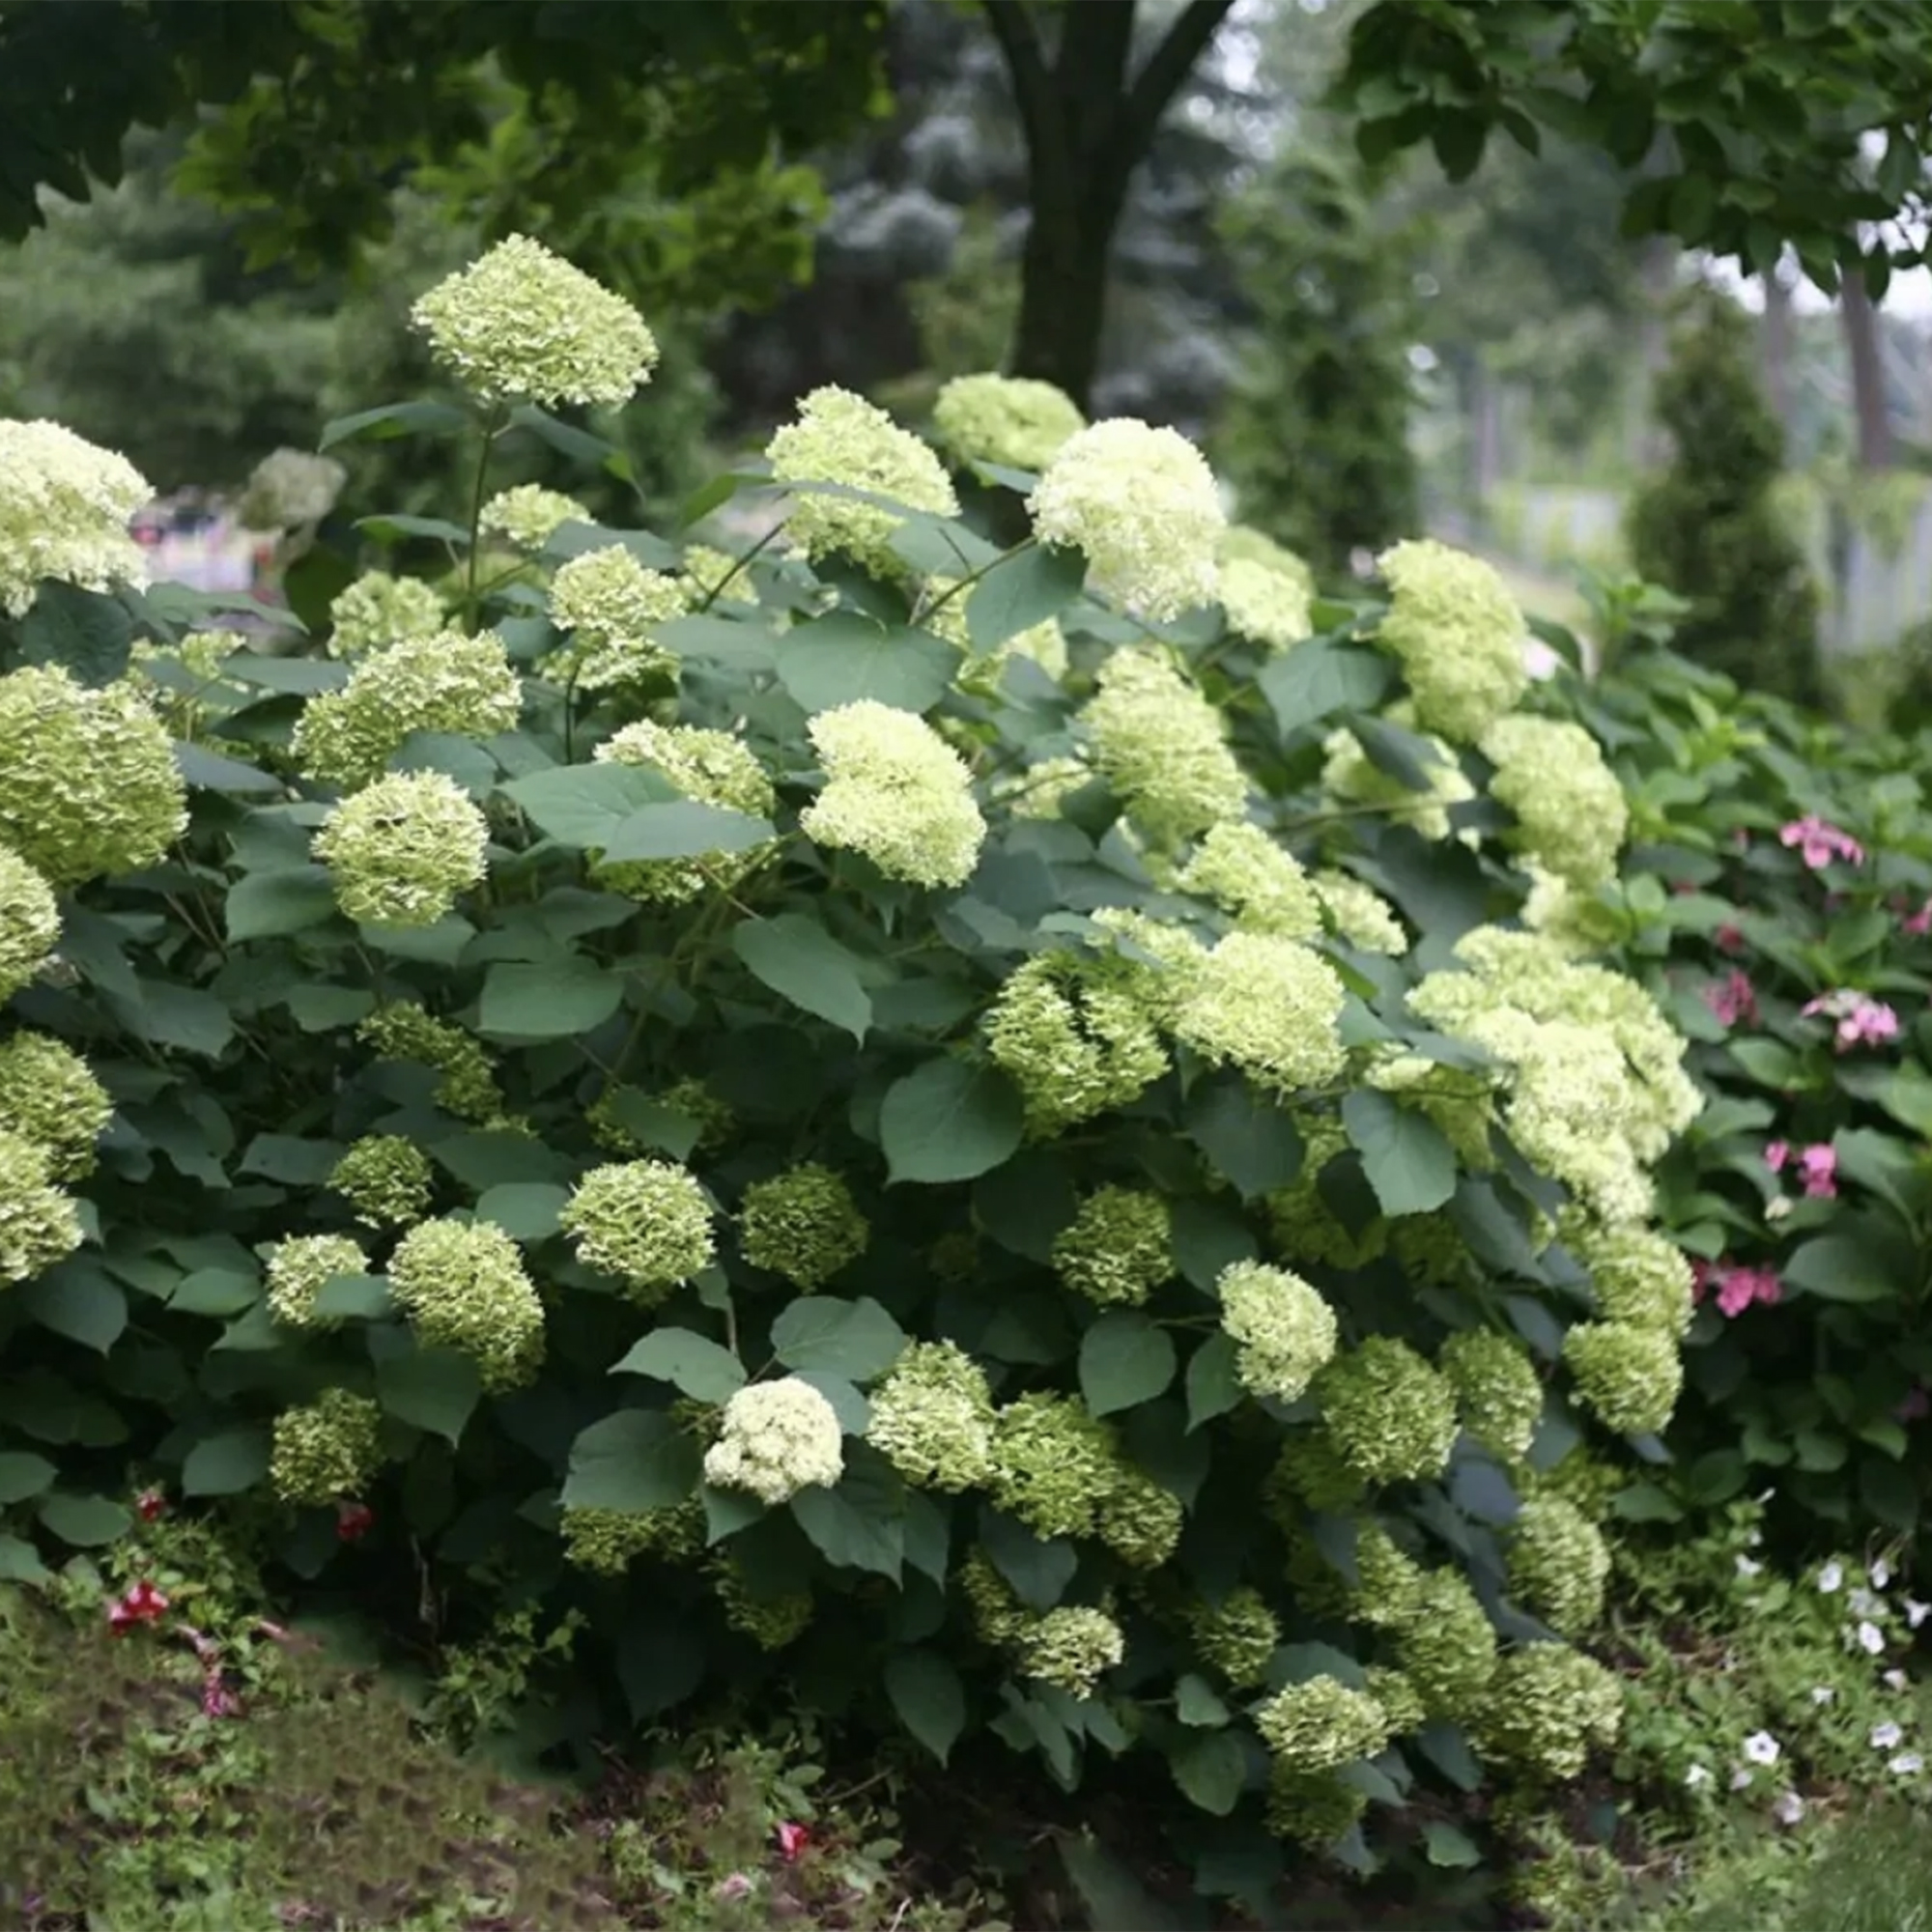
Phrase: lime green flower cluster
x=48 y=1096
x=1445 y=1644
x=933 y=1419
x=463 y=687
x=1641 y=1277
x=388 y=1180
x=843 y=440
x=1628 y=1377
x=1499 y=1393
x=1393 y=1690
x=464 y=1287
x=1388 y=1580
x=1054 y=1464
x=895 y=791
x=1243 y=871
x=612 y=605
x=777 y=1438
x=1141 y=505
x=1239 y=1636
x=378 y=610
x=1271 y=607
x=1351 y=778
x=404 y=849
x=38 y=1224
x=772 y=1622
x=1075 y=1038
x=1270 y=1005
x=1242 y=543
x=521 y=325
x=1041 y=789
x=1310 y=1467
x=711 y=574
x=1320 y=1725
x=468 y=1087
x=1284 y=1330
x=1157 y=958
x=1013 y=420
x=1577 y=922
x=65 y=505
x=1459 y=635
x=1160 y=745
x=1070 y=1648
x=607 y=1541
x=647 y=1222
x=1559 y=1564
x=290 y=489
x=1549 y=1706
x=1359 y=914
x=88 y=780
x=297 y=1271
x=325 y=1450
x=529 y=515
x=1139 y=1519
x=1313 y=1809
x=802 y=1224
x=713 y=1120
x=1390 y=1416
x=709 y=767
x=1570 y=810
x=1118 y=1248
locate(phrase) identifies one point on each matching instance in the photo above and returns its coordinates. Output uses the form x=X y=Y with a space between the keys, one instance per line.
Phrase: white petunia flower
x=1886 y=1736
x=1749 y=1566
x=1880 y=1573
x=1895 y=1680
x=1916 y=1613
x=1697 y=1777
x=1906 y=1763
x=1870 y=1639
x=1831 y=1577
x=1789 y=1809
x=1761 y=1747
x=1822 y=1694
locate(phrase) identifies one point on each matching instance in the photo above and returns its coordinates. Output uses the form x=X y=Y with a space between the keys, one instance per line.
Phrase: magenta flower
x=1776 y=1155
x=1739 y=1287
x=1733 y=998
x=1870 y=1023
x=1819 y=843
x=1818 y=1168
x=142 y=1604
x=1920 y=921
x=792 y=1841
x=217 y=1699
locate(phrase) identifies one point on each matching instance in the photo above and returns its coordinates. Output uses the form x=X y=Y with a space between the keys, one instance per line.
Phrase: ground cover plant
x=968 y=1137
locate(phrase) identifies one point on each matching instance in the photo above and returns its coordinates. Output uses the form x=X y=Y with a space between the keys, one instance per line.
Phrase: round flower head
x=802 y=1224
x=1054 y=1464
x=1628 y=1377
x=1641 y=1277
x=1284 y=1330
x=64 y=510
x=386 y=1179
x=1459 y=633
x=1238 y=1635
x=644 y=1221
x=1243 y=870
x=468 y=1086
x=1569 y=811
x=1391 y=1417
x=1141 y=505
x=1313 y=1809
x=378 y=610
x=839 y=438
x=1398 y=1696
x=29 y=923
x=88 y=781
x=1271 y=607
x=530 y=515
x=403 y=850
x=463 y=1286
x=48 y=1096
x=1446 y=1645
x=328 y=1449
x=1359 y=914
x=777 y=1438
x=1242 y=543
x=298 y=1269
x=1311 y=1470
x=38 y=1224
x=1558 y=1565
x=463 y=687
x=933 y=1418
x=607 y=1541
x=1140 y=1521
x=1074 y=1038
x=1160 y=745
x=1118 y=1248
x=772 y=1622
x=711 y=768
x=1549 y=1706
x=1322 y=1724
x=1268 y=1006
x=1389 y=1583
x=521 y=325
x=1013 y=420
x=610 y=604
x=1498 y=1394
x=290 y=489
x=1070 y=1647
x=896 y=792
x=1351 y=777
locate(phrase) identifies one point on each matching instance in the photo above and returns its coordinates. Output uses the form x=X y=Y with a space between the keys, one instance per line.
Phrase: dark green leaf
x=1113 y=1898
x=1212 y=1386
x=688 y=1361
x=265 y=905
x=1124 y=1360
x=1022 y=591
x=1038 y=1568
x=1407 y=1158
x=857 y=1340
x=725 y=640
x=83 y=1522
x=203 y=770
x=77 y=1300
x=1250 y=1138
x=1449 y=1849
x=948 y=1120
x=929 y=1698
x=226 y=1465
x=437 y=529
x=393 y=419
x=583 y=806
x=861 y=1524
x=20 y=1562
x=800 y=961
x=1866 y=1263
x=1026 y=1205
x=683 y=829
x=22 y=1476
x=183 y=1017
x=1210 y=1768
x=558 y=999
x=433 y=1389
x=843 y=658
x=217 y=1292
x=633 y=1461
x=84 y=631
x=287 y=1157
x=527 y=1210
x=1312 y=681
x=353 y=1297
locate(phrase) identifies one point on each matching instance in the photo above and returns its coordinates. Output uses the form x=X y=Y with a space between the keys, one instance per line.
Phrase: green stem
x=493 y=427
x=738 y=569
x=973 y=577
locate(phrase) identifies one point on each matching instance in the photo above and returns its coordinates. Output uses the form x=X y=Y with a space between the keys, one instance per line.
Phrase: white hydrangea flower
x=778 y=1439
x=63 y=509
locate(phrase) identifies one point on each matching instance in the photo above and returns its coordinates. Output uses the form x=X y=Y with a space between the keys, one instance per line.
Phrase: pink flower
x=217 y=1699
x=1729 y=939
x=1818 y=1165
x=1920 y=922
x=1733 y=998
x=1819 y=843
x=1739 y=1287
x=142 y=1603
x=353 y=1522
x=149 y=1504
x=1870 y=1023
x=792 y=1841
x=1776 y=1155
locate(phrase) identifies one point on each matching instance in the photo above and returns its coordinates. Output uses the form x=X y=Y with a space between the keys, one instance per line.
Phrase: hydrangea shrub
x=1042 y=1191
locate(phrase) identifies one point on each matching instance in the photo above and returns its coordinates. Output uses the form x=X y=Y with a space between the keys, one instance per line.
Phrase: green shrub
x=1710 y=529
x=994 y=1155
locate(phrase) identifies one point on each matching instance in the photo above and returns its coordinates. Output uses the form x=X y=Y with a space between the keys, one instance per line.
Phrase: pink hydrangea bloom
x=1920 y=922
x=1739 y=1287
x=1862 y=1022
x=1818 y=1167
x=1776 y=1155
x=1733 y=998
x=1819 y=843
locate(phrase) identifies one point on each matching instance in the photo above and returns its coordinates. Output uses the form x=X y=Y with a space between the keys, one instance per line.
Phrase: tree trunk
x=1861 y=323
x=1776 y=342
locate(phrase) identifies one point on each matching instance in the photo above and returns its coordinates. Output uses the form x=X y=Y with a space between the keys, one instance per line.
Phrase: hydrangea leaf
x=691 y=1362
x=1407 y=1158
x=1124 y=1360
x=1021 y=590
x=635 y=1460
x=227 y=1464
x=844 y=657
x=949 y=1120
x=800 y=961
x=856 y=1340
x=929 y=1698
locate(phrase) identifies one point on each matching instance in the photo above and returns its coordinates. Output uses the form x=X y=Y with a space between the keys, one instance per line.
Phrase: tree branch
x=1168 y=67
x=1026 y=63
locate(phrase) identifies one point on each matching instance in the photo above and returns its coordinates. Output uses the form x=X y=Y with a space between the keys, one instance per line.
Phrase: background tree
x=1709 y=526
